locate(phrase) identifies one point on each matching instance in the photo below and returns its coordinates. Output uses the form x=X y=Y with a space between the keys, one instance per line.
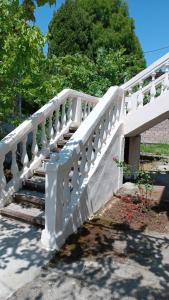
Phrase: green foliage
x=142 y=178
x=94 y=77
x=21 y=55
x=85 y=26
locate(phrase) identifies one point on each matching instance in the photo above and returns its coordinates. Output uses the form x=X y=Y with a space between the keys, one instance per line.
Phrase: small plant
x=121 y=164
x=140 y=202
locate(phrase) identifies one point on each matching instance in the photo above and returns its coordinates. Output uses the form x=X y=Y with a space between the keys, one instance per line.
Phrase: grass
x=162 y=149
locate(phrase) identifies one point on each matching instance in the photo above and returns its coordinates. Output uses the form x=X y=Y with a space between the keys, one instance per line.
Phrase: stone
x=127 y=189
x=163 y=168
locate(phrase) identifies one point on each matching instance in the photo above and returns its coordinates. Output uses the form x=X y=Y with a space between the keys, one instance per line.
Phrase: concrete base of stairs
x=21 y=255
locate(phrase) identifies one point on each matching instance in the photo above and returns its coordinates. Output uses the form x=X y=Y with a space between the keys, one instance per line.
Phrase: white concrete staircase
x=56 y=178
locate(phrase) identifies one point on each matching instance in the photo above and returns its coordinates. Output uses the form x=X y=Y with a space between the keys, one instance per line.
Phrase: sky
x=151 y=24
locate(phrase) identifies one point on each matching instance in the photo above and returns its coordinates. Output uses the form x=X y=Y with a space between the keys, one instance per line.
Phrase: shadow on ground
x=105 y=261
x=19 y=241
x=21 y=255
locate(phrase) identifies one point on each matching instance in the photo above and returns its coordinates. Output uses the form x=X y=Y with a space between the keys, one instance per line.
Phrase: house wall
x=157 y=134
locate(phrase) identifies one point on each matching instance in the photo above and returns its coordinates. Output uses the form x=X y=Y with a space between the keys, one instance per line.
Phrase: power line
x=155 y=50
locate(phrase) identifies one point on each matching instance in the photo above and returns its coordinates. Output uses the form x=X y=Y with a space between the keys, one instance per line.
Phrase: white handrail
x=87 y=127
x=53 y=119
x=146 y=72
x=8 y=141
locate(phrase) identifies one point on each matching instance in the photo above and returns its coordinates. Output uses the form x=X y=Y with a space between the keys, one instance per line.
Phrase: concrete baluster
x=34 y=148
x=77 y=110
x=14 y=165
x=140 y=95
x=129 y=105
x=153 y=87
x=51 y=131
x=24 y=158
x=43 y=136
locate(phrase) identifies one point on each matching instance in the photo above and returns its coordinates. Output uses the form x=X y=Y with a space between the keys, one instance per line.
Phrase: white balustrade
x=39 y=132
x=148 y=84
x=166 y=80
x=79 y=155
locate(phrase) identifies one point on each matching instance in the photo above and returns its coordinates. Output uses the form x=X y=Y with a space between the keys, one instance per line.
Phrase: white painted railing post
x=53 y=205
x=77 y=110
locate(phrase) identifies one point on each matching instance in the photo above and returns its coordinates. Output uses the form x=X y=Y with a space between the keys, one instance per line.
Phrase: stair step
x=61 y=143
x=30 y=197
x=36 y=183
x=25 y=214
x=46 y=159
x=67 y=135
x=73 y=128
x=40 y=171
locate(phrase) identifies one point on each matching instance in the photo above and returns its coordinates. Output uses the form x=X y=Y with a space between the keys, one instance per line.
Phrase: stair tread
x=32 y=211
x=40 y=172
x=25 y=213
x=30 y=193
x=61 y=142
x=73 y=127
x=36 y=179
x=35 y=183
x=34 y=198
x=67 y=135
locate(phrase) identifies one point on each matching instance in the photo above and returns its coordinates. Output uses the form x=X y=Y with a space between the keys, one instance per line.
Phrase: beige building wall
x=157 y=134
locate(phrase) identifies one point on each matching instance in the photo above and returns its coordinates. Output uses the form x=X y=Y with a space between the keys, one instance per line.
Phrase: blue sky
x=151 y=22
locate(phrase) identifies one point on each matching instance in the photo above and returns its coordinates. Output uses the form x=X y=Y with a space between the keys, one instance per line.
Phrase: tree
x=85 y=26
x=21 y=56
x=81 y=73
